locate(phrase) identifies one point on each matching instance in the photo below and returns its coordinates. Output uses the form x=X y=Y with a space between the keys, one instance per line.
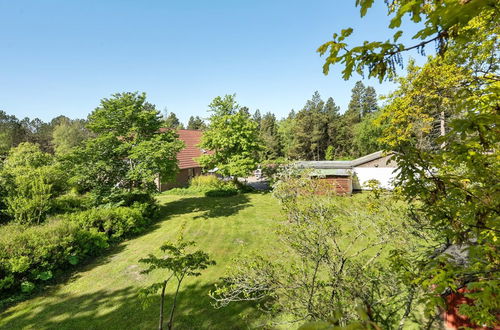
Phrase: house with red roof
x=188 y=167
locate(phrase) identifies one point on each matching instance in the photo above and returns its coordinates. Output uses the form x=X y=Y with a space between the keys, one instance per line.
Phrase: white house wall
x=384 y=175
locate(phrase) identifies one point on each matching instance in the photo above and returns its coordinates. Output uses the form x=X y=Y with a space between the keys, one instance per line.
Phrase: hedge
x=30 y=255
x=114 y=222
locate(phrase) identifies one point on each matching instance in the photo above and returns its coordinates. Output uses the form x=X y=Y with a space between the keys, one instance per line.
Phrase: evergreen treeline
x=58 y=135
x=318 y=131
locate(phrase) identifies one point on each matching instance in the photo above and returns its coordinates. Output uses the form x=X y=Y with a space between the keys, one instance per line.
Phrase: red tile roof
x=186 y=156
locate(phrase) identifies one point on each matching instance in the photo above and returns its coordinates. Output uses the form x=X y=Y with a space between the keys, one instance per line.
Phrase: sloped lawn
x=103 y=293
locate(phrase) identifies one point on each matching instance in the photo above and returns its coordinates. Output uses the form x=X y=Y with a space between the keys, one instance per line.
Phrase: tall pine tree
x=286 y=132
x=196 y=123
x=257 y=117
x=369 y=101
x=311 y=131
x=171 y=121
x=333 y=118
x=270 y=137
x=355 y=108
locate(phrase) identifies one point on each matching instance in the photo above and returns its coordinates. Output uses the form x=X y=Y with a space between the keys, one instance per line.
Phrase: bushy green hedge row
x=211 y=186
x=223 y=192
x=31 y=255
x=114 y=222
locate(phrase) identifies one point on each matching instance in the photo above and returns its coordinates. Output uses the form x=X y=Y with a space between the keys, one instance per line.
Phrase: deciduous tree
x=329 y=264
x=453 y=177
x=233 y=137
x=67 y=135
x=128 y=150
x=178 y=263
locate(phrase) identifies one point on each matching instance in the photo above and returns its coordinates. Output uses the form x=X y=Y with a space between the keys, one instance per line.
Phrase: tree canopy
x=447 y=24
x=196 y=123
x=442 y=128
x=233 y=137
x=128 y=149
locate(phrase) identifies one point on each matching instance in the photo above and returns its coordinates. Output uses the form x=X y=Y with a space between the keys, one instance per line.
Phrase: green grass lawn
x=103 y=293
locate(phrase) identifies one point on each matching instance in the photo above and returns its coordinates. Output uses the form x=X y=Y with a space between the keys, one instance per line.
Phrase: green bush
x=70 y=203
x=136 y=199
x=224 y=192
x=30 y=255
x=208 y=185
x=115 y=222
x=31 y=201
x=205 y=182
x=31 y=179
x=127 y=198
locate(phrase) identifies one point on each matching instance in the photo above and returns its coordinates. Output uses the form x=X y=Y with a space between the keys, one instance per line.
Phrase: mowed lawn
x=103 y=293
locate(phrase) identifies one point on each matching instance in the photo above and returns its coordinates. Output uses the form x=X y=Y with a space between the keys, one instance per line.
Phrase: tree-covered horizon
x=319 y=126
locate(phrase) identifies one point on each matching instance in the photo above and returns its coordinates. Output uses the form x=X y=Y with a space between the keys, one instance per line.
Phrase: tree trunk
x=170 y=322
x=160 y=326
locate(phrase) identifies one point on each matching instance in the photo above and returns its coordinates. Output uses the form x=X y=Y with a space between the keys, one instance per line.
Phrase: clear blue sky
x=62 y=57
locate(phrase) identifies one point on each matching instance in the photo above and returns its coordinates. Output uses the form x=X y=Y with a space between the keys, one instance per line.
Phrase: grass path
x=103 y=294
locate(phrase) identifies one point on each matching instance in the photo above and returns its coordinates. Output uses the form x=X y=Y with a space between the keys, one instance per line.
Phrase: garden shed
x=346 y=176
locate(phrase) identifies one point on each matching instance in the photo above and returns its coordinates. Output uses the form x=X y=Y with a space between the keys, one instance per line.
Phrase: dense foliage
x=128 y=150
x=31 y=179
x=196 y=123
x=233 y=138
x=47 y=135
x=32 y=255
x=319 y=131
x=91 y=187
x=443 y=127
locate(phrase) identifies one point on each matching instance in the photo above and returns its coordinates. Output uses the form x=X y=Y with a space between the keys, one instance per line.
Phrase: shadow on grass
x=122 y=309
x=211 y=207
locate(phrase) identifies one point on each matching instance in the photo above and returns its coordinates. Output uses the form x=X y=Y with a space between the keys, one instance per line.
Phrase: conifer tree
x=257 y=117
x=270 y=138
x=369 y=101
x=171 y=121
x=286 y=133
x=310 y=130
x=355 y=108
x=333 y=119
x=196 y=123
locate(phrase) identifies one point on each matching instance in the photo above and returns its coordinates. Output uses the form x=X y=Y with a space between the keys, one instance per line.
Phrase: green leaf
x=27 y=287
x=397 y=35
x=73 y=260
x=44 y=276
